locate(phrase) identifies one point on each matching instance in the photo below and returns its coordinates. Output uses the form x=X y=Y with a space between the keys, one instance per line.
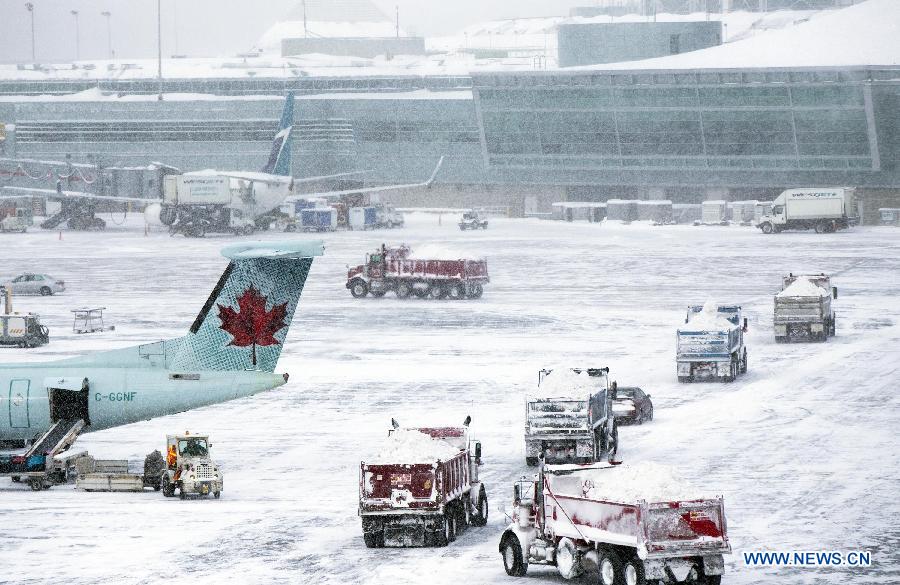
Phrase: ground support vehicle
x=562 y=519
x=632 y=405
x=388 y=217
x=824 y=210
x=90 y=320
x=425 y=492
x=710 y=345
x=394 y=269
x=363 y=218
x=193 y=471
x=569 y=419
x=23 y=330
x=17 y=221
x=472 y=221
x=318 y=219
x=39 y=465
x=803 y=309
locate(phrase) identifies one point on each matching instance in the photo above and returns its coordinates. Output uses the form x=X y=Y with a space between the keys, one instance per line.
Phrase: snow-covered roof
x=803 y=287
x=866 y=34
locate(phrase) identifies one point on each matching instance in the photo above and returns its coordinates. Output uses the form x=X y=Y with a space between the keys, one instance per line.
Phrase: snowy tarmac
x=805 y=448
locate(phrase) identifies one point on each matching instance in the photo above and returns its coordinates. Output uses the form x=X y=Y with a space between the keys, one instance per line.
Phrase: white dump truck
x=569 y=418
x=710 y=344
x=803 y=310
x=635 y=525
x=824 y=210
x=190 y=468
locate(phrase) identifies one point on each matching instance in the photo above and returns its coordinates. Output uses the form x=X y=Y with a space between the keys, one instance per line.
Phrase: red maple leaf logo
x=251 y=324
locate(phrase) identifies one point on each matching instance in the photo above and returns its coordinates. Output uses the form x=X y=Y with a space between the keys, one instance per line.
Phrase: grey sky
x=212 y=27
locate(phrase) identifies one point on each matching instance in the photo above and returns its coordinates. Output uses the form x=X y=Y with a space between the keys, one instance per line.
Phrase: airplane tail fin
x=279 y=162
x=244 y=322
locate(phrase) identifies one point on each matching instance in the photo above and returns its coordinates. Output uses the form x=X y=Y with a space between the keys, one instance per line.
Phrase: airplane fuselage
x=32 y=398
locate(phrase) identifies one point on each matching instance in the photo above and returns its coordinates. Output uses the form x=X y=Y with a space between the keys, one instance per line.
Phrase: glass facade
x=621 y=121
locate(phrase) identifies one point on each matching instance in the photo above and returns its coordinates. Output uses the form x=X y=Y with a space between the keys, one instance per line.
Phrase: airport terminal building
x=683 y=128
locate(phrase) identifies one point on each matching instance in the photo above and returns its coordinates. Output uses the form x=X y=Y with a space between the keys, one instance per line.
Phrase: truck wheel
x=403 y=289
x=766 y=228
x=359 y=289
x=168 y=490
x=36 y=484
x=217 y=495
x=531 y=461
x=475 y=291
x=513 y=560
x=181 y=493
x=650 y=416
x=833 y=325
x=610 y=568
x=437 y=291
x=567 y=562
x=450 y=524
x=822 y=227
x=456 y=292
x=684 y=379
x=444 y=535
x=633 y=572
x=480 y=517
x=374 y=539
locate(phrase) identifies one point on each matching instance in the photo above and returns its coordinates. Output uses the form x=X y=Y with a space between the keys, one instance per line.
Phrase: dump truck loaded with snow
x=803 y=308
x=569 y=418
x=422 y=488
x=437 y=276
x=633 y=523
x=710 y=344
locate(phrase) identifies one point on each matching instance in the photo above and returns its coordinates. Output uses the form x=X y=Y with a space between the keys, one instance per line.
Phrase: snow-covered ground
x=804 y=448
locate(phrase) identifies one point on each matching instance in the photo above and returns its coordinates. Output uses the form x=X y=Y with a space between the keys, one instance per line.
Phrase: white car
x=35 y=284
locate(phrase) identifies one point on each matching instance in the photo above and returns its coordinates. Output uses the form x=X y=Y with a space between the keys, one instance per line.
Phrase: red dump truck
x=599 y=516
x=396 y=269
x=422 y=489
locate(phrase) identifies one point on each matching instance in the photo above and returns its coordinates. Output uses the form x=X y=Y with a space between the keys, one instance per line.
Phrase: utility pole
x=30 y=7
x=305 y=32
x=77 y=36
x=397 y=25
x=159 y=46
x=175 y=24
x=108 y=16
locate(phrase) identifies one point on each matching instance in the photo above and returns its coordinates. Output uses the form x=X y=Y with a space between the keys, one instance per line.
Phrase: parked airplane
x=200 y=202
x=230 y=352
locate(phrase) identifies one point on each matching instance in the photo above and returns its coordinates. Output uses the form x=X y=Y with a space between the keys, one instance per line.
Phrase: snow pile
x=411 y=446
x=436 y=252
x=803 y=287
x=709 y=319
x=565 y=383
x=859 y=35
x=628 y=483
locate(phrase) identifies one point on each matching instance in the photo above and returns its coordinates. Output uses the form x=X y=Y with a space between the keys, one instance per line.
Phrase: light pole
x=30 y=7
x=77 y=39
x=108 y=16
x=159 y=46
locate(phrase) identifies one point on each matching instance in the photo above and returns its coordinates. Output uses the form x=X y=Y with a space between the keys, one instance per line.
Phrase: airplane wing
x=426 y=184
x=62 y=195
x=277 y=179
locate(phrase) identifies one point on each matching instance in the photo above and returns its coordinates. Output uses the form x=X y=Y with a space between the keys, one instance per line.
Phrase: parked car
x=35 y=284
x=632 y=405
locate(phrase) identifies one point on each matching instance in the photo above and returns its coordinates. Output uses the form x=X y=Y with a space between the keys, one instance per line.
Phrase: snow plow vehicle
x=626 y=522
x=396 y=269
x=710 y=344
x=472 y=221
x=422 y=489
x=803 y=310
x=189 y=467
x=569 y=418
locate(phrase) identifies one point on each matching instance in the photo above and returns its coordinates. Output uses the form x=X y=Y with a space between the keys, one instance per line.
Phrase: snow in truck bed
x=411 y=446
x=562 y=382
x=630 y=482
x=803 y=287
x=709 y=319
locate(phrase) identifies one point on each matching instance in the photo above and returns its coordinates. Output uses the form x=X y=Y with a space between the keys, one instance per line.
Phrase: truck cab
x=190 y=468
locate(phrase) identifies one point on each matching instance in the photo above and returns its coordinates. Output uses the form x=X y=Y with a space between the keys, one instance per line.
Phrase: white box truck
x=824 y=210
